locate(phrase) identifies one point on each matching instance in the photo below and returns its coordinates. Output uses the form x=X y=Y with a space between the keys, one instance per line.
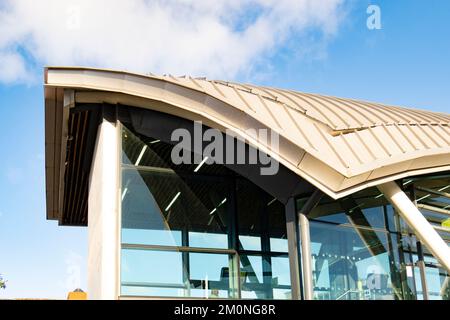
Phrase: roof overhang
x=336 y=155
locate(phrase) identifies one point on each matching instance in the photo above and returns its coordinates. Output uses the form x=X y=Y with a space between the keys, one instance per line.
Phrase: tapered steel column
x=305 y=239
x=292 y=236
x=414 y=218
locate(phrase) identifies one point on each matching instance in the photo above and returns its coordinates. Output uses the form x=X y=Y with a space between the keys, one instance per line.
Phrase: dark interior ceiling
x=82 y=132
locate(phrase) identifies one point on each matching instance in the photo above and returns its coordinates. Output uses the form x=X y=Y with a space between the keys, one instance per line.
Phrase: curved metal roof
x=339 y=145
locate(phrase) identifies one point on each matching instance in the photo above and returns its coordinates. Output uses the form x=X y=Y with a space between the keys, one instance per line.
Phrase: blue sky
x=334 y=53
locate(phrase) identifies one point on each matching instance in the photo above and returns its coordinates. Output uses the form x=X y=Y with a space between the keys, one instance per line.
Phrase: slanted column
x=103 y=212
x=414 y=218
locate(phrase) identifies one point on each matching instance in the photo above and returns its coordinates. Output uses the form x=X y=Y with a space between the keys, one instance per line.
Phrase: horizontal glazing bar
x=153 y=285
x=348 y=225
x=176 y=248
x=435 y=209
x=436 y=192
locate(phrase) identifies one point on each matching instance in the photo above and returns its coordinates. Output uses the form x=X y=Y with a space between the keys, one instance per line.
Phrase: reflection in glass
x=367 y=208
x=265 y=277
x=177 y=274
x=185 y=231
x=433 y=199
x=209 y=275
x=208 y=240
x=437 y=280
x=432 y=195
x=158 y=207
x=145 y=272
x=278 y=245
x=251 y=206
x=277 y=226
x=250 y=243
x=352 y=264
x=261 y=219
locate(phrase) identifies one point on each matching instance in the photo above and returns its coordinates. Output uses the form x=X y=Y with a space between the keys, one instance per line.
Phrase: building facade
x=358 y=207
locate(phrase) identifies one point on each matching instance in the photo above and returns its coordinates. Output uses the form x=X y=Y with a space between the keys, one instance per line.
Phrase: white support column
x=305 y=244
x=103 y=215
x=292 y=237
x=414 y=218
x=308 y=283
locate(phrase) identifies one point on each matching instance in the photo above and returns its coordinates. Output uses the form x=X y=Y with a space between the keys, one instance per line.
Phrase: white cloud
x=12 y=67
x=216 y=38
x=14 y=175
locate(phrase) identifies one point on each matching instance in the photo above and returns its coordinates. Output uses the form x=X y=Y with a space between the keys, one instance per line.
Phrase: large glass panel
x=139 y=150
x=281 y=279
x=261 y=219
x=252 y=281
x=209 y=275
x=177 y=274
x=265 y=277
x=432 y=195
x=277 y=226
x=144 y=221
x=433 y=199
x=437 y=279
x=157 y=207
x=402 y=275
x=180 y=224
x=367 y=208
x=250 y=210
x=352 y=264
x=147 y=273
x=262 y=242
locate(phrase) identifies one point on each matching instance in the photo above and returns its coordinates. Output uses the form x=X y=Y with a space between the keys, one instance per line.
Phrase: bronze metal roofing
x=339 y=145
x=337 y=113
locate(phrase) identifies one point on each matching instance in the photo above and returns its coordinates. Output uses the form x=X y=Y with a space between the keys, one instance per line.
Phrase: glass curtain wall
x=196 y=231
x=432 y=196
x=262 y=244
x=357 y=253
x=206 y=232
x=363 y=250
